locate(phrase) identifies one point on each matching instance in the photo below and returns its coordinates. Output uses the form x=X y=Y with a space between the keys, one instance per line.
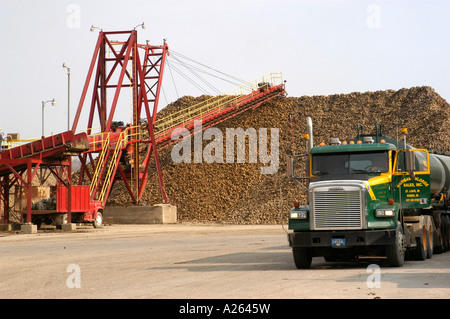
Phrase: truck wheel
x=37 y=220
x=439 y=240
x=396 y=252
x=420 y=253
x=302 y=257
x=59 y=220
x=98 y=222
x=446 y=232
x=430 y=242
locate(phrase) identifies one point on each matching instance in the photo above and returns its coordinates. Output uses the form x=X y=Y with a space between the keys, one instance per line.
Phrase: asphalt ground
x=197 y=261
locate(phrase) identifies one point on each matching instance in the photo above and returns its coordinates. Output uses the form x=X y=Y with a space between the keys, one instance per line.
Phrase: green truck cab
x=371 y=196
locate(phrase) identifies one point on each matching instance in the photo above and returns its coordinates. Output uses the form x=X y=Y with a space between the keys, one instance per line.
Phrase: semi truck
x=370 y=196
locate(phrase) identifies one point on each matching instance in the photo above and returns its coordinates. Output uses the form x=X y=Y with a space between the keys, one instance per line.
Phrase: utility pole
x=68 y=95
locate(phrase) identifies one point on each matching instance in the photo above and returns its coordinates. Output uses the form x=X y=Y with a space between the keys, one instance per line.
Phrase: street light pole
x=43 y=105
x=68 y=95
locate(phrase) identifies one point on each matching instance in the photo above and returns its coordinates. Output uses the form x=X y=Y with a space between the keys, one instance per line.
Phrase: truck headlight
x=298 y=215
x=384 y=213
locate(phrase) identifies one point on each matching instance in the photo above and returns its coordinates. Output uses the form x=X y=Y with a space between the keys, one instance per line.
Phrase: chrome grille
x=337 y=209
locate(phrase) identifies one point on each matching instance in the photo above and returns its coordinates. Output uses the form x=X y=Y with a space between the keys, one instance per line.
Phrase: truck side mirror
x=290 y=166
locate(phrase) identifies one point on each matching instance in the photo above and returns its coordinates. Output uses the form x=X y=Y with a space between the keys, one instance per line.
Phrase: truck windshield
x=350 y=163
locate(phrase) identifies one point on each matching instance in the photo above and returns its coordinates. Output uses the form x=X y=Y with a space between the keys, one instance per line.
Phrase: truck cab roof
x=346 y=148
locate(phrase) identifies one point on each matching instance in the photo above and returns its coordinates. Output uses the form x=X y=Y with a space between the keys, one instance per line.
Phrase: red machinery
x=144 y=78
x=19 y=166
x=122 y=151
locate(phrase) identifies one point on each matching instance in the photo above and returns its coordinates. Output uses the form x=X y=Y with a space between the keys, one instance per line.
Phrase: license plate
x=337 y=242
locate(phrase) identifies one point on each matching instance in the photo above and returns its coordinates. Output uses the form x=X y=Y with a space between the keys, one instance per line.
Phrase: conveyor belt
x=54 y=147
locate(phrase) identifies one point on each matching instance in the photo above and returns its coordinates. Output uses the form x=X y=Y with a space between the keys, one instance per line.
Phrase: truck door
x=411 y=179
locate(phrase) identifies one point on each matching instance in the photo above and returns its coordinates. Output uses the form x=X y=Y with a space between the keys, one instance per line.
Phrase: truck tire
x=395 y=253
x=37 y=220
x=440 y=237
x=430 y=242
x=420 y=252
x=302 y=258
x=98 y=222
x=439 y=240
x=59 y=220
x=446 y=232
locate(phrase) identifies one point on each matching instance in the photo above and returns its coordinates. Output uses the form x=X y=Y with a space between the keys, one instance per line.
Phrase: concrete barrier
x=158 y=214
x=28 y=228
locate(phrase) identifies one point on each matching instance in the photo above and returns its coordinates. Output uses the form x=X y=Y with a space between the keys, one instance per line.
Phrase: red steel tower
x=116 y=65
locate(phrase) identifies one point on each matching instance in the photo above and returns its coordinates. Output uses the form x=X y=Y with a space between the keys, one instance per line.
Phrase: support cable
x=173 y=81
x=196 y=68
x=192 y=60
x=192 y=70
x=187 y=78
x=204 y=72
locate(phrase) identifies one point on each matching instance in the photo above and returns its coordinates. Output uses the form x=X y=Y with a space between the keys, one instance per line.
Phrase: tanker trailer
x=439 y=173
x=439 y=189
x=371 y=196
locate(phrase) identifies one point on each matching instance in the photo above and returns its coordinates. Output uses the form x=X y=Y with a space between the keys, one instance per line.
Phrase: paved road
x=197 y=261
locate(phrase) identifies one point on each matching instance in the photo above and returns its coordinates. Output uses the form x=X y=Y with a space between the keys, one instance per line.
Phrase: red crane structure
x=117 y=65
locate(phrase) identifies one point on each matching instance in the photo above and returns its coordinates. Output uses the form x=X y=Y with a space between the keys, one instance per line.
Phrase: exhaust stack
x=309 y=144
x=309 y=129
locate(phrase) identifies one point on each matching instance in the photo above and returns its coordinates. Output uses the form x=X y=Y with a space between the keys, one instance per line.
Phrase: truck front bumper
x=352 y=238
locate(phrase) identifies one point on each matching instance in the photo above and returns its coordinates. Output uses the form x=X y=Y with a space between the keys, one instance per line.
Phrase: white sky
x=321 y=47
